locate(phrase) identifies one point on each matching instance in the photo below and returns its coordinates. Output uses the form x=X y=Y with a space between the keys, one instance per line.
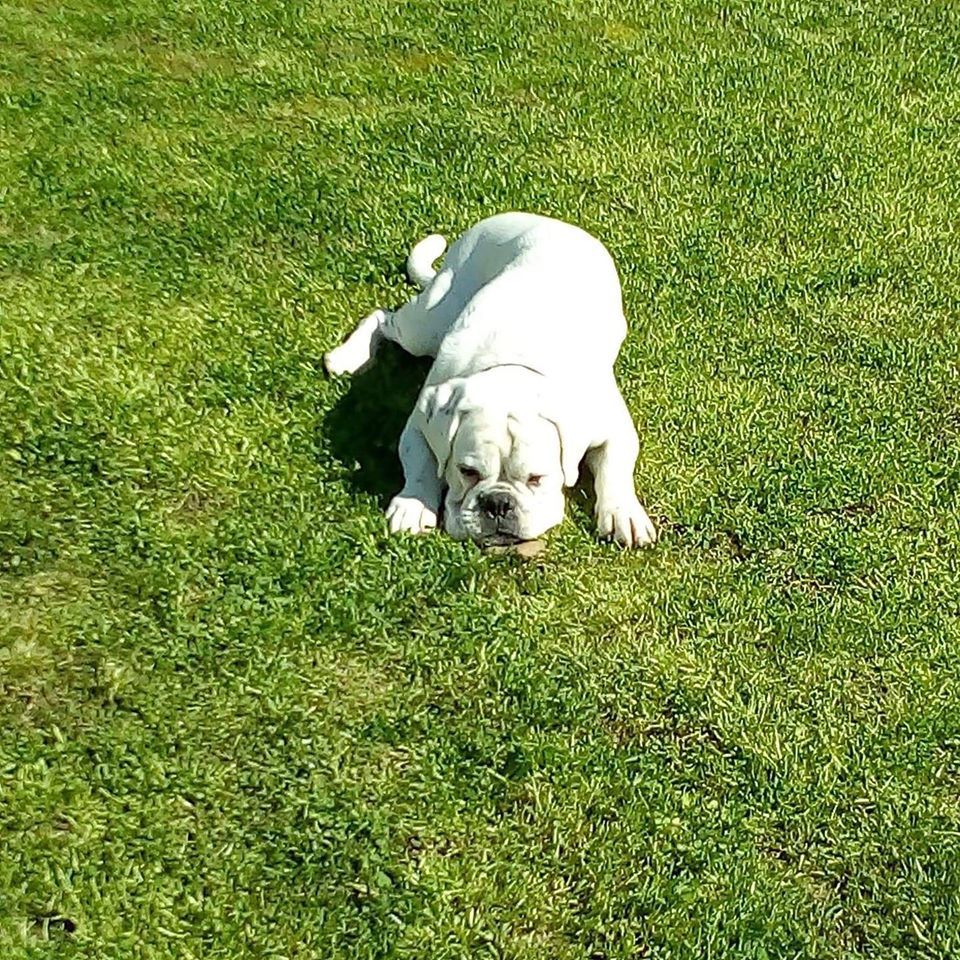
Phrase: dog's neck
x=521 y=366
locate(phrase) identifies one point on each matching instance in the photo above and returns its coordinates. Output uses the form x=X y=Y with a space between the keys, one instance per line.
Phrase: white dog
x=525 y=320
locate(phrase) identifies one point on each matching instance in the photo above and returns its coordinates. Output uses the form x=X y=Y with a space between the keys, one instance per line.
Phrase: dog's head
x=504 y=454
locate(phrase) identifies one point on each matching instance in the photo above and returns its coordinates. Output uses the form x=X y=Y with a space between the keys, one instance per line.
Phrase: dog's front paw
x=407 y=514
x=626 y=522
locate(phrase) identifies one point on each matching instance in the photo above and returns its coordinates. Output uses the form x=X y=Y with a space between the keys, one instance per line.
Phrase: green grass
x=236 y=720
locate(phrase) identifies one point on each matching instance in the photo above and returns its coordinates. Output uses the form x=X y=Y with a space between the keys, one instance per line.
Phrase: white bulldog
x=525 y=320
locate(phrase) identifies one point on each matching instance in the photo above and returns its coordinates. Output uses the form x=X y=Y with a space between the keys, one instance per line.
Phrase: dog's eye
x=534 y=480
x=468 y=473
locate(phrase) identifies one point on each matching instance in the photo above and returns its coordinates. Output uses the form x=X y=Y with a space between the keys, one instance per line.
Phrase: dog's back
x=526 y=289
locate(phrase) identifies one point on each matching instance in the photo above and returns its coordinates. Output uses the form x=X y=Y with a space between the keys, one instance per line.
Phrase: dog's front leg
x=416 y=506
x=619 y=513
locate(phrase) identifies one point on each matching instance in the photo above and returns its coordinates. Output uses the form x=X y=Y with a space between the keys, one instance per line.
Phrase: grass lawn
x=236 y=720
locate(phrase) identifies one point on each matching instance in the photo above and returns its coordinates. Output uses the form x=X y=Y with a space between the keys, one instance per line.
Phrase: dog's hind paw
x=348 y=358
x=358 y=349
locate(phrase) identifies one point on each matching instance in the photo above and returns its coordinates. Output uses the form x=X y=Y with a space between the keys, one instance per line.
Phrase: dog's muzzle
x=499 y=519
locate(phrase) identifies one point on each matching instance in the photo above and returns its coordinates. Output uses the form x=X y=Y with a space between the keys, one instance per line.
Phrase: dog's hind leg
x=359 y=348
x=419 y=326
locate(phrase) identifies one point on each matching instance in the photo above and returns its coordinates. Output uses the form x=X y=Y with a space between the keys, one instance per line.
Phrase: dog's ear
x=563 y=413
x=440 y=409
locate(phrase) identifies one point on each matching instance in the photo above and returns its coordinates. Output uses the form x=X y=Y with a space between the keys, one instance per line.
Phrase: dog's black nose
x=497 y=505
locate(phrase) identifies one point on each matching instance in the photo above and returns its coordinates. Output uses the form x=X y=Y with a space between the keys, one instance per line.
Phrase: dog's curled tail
x=420 y=262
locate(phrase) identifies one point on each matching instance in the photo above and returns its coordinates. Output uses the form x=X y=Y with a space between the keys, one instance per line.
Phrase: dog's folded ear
x=439 y=410
x=563 y=412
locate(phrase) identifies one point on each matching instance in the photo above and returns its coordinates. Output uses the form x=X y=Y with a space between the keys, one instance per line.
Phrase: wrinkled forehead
x=481 y=440
x=507 y=444
x=535 y=446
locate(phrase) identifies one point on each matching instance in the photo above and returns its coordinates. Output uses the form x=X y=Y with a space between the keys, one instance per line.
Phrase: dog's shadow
x=364 y=426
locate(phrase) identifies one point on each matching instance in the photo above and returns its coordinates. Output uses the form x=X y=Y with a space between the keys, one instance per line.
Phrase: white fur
x=525 y=320
x=422 y=257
